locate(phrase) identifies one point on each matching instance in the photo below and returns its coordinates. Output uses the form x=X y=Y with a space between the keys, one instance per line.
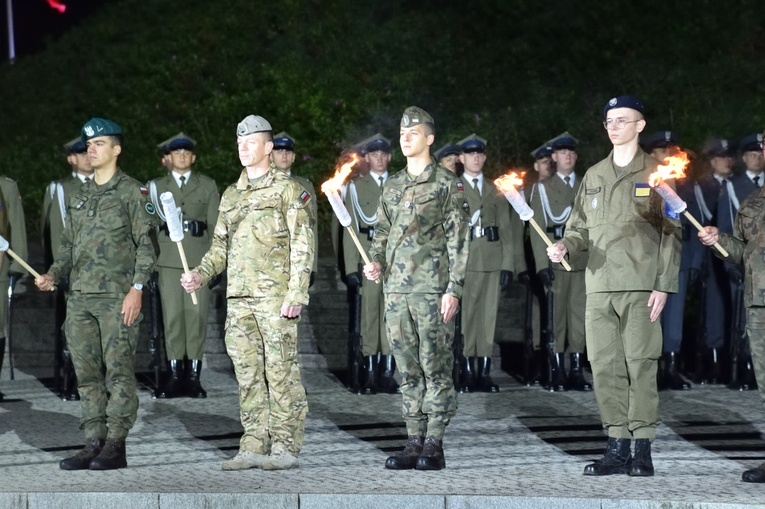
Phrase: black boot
x=387 y=368
x=432 y=457
x=746 y=375
x=406 y=459
x=714 y=370
x=81 y=460
x=576 y=380
x=535 y=370
x=557 y=383
x=174 y=387
x=672 y=378
x=754 y=475
x=484 y=382
x=112 y=455
x=642 y=466
x=467 y=375
x=194 y=387
x=617 y=458
x=370 y=379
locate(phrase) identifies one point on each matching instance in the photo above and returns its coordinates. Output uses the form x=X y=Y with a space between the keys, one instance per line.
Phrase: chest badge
x=594 y=203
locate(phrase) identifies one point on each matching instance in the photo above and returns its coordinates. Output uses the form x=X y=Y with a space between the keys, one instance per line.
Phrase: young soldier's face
x=82 y=163
x=378 y=161
x=722 y=165
x=753 y=161
x=182 y=159
x=414 y=142
x=283 y=159
x=450 y=162
x=473 y=162
x=632 y=125
x=102 y=151
x=543 y=167
x=253 y=149
x=565 y=160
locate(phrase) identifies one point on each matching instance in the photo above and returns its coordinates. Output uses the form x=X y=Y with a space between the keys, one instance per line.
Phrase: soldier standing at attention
x=448 y=156
x=489 y=267
x=420 y=249
x=283 y=157
x=185 y=323
x=361 y=200
x=52 y=223
x=264 y=237
x=552 y=203
x=107 y=252
x=633 y=241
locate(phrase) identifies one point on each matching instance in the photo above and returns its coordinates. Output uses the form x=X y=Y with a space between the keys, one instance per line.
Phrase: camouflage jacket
x=264 y=237
x=633 y=239
x=747 y=245
x=422 y=235
x=106 y=247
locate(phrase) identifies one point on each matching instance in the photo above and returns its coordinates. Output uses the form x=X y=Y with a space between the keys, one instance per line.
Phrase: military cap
x=472 y=143
x=96 y=127
x=447 y=150
x=252 y=124
x=177 y=142
x=659 y=139
x=563 y=141
x=624 y=101
x=717 y=147
x=376 y=143
x=415 y=116
x=284 y=141
x=542 y=151
x=751 y=143
x=75 y=146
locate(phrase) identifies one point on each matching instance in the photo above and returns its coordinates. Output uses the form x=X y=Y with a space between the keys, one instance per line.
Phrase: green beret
x=414 y=116
x=96 y=127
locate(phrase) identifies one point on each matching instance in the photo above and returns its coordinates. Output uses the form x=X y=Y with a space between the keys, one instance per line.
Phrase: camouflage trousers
x=103 y=353
x=422 y=345
x=755 y=329
x=272 y=399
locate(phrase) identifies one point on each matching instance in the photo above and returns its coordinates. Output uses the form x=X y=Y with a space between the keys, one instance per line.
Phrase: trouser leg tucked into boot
x=81 y=460
x=112 y=456
x=467 y=375
x=672 y=378
x=174 y=387
x=194 y=387
x=485 y=383
x=576 y=380
x=432 y=457
x=617 y=458
x=642 y=465
x=387 y=369
x=370 y=375
x=406 y=459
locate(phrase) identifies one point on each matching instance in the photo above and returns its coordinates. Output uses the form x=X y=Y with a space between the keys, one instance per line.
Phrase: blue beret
x=284 y=141
x=659 y=139
x=472 y=143
x=96 y=127
x=624 y=101
x=751 y=143
x=447 y=150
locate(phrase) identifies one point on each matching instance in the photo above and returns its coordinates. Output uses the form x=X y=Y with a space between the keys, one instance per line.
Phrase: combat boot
x=370 y=383
x=754 y=475
x=406 y=459
x=484 y=382
x=281 y=460
x=244 y=460
x=617 y=458
x=112 y=455
x=432 y=457
x=576 y=380
x=174 y=387
x=467 y=375
x=748 y=381
x=715 y=368
x=642 y=465
x=81 y=460
x=672 y=378
x=387 y=368
x=557 y=382
x=194 y=387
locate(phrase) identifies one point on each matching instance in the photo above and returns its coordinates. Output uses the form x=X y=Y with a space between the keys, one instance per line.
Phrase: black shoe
x=557 y=370
x=432 y=457
x=387 y=368
x=406 y=459
x=754 y=475
x=174 y=387
x=715 y=368
x=617 y=459
x=193 y=386
x=112 y=456
x=576 y=380
x=672 y=378
x=748 y=381
x=642 y=466
x=467 y=375
x=370 y=376
x=484 y=382
x=81 y=460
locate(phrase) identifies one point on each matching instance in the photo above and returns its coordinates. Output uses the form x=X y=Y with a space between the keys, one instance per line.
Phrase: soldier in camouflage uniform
x=747 y=245
x=264 y=237
x=633 y=241
x=107 y=252
x=421 y=249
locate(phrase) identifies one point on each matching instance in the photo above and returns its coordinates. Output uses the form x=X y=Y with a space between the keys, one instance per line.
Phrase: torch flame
x=673 y=167
x=513 y=180
x=334 y=184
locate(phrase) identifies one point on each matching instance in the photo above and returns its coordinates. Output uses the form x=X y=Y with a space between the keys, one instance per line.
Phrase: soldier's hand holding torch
x=709 y=236
x=175 y=229
x=556 y=252
x=5 y=247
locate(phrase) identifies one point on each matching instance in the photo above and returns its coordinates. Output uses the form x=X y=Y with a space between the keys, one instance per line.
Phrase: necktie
x=756 y=181
x=723 y=186
x=182 y=178
x=567 y=180
x=382 y=181
x=475 y=185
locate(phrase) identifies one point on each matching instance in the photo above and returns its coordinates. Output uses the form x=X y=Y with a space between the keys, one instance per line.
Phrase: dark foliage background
x=517 y=72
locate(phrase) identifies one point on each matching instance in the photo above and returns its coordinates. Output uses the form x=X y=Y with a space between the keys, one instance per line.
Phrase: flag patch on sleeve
x=460 y=186
x=304 y=196
x=144 y=190
x=642 y=189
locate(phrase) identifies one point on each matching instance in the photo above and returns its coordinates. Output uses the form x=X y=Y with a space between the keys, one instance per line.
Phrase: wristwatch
x=138 y=286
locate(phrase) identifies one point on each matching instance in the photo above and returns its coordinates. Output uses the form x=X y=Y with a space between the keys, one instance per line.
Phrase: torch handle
x=547 y=241
x=701 y=229
x=186 y=268
x=364 y=255
x=23 y=263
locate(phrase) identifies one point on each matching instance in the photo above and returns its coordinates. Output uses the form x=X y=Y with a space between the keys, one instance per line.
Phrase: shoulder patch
x=460 y=186
x=150 y=208
x=304 y=196
x=642 y=189
x=144 y=190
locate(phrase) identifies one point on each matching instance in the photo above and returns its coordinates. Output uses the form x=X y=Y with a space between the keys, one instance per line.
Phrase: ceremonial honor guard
x=448 y=156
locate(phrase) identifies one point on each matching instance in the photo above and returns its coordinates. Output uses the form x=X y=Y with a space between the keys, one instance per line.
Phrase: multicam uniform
x=105 y=248
x=264 y=237
x=421 y=243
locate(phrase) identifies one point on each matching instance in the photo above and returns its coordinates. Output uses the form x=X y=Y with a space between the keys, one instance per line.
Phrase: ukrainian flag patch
x=642 y=189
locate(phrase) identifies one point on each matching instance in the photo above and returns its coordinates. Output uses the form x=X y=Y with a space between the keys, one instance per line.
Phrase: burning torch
x=506 y=185
x=175 y=229
x=331 y=188
x=674 y=168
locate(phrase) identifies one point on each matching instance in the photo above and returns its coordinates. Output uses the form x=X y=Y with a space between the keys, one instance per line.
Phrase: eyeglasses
x=617 y=123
